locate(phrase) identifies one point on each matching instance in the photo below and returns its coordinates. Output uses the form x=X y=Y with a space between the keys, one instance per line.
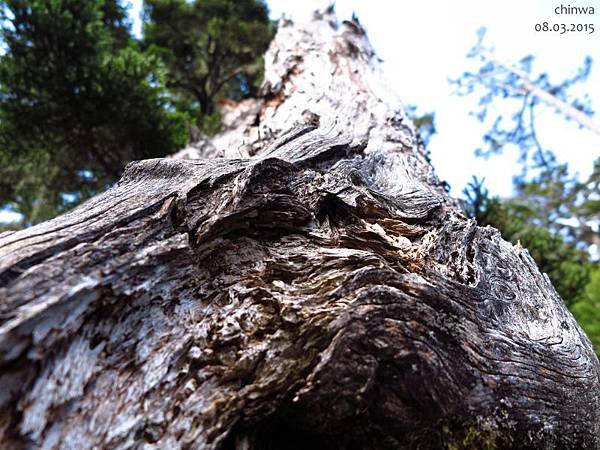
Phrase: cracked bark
x=305 y=282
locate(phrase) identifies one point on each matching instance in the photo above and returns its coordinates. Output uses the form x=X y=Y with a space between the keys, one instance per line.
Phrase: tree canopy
x=211 y=47
x=78 y=100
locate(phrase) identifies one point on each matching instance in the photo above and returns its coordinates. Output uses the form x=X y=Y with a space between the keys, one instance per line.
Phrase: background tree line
x=80 y=97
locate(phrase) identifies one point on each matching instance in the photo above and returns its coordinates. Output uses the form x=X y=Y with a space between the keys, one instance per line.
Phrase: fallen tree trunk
x=307 y=283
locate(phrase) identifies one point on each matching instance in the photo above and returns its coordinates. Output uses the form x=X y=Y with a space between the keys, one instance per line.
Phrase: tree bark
x=306 y=283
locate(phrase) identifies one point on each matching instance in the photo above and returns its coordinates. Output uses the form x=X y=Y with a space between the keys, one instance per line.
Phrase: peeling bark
x=305 y=282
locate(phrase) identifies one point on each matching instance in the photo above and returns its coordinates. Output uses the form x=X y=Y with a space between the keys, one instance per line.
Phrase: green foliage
x=587 y=310
x=479 y=205
x=210 y=124
x=212 y=48
x=78 y=100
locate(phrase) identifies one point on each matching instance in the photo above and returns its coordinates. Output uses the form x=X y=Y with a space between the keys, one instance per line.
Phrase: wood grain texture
x=300 y=281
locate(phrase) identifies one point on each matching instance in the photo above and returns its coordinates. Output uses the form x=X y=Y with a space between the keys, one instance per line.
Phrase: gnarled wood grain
x=304 y=281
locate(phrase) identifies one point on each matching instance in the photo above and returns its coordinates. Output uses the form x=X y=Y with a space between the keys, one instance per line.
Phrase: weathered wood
x=310 y=285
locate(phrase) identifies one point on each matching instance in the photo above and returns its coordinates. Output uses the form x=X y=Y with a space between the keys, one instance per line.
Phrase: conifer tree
x=78 y=100
x=211 y=47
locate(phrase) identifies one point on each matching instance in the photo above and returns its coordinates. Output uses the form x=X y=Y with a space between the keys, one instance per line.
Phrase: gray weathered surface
x=310 y=285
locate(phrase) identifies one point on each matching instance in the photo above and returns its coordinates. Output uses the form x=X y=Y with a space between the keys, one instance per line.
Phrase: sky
x=424 y=43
